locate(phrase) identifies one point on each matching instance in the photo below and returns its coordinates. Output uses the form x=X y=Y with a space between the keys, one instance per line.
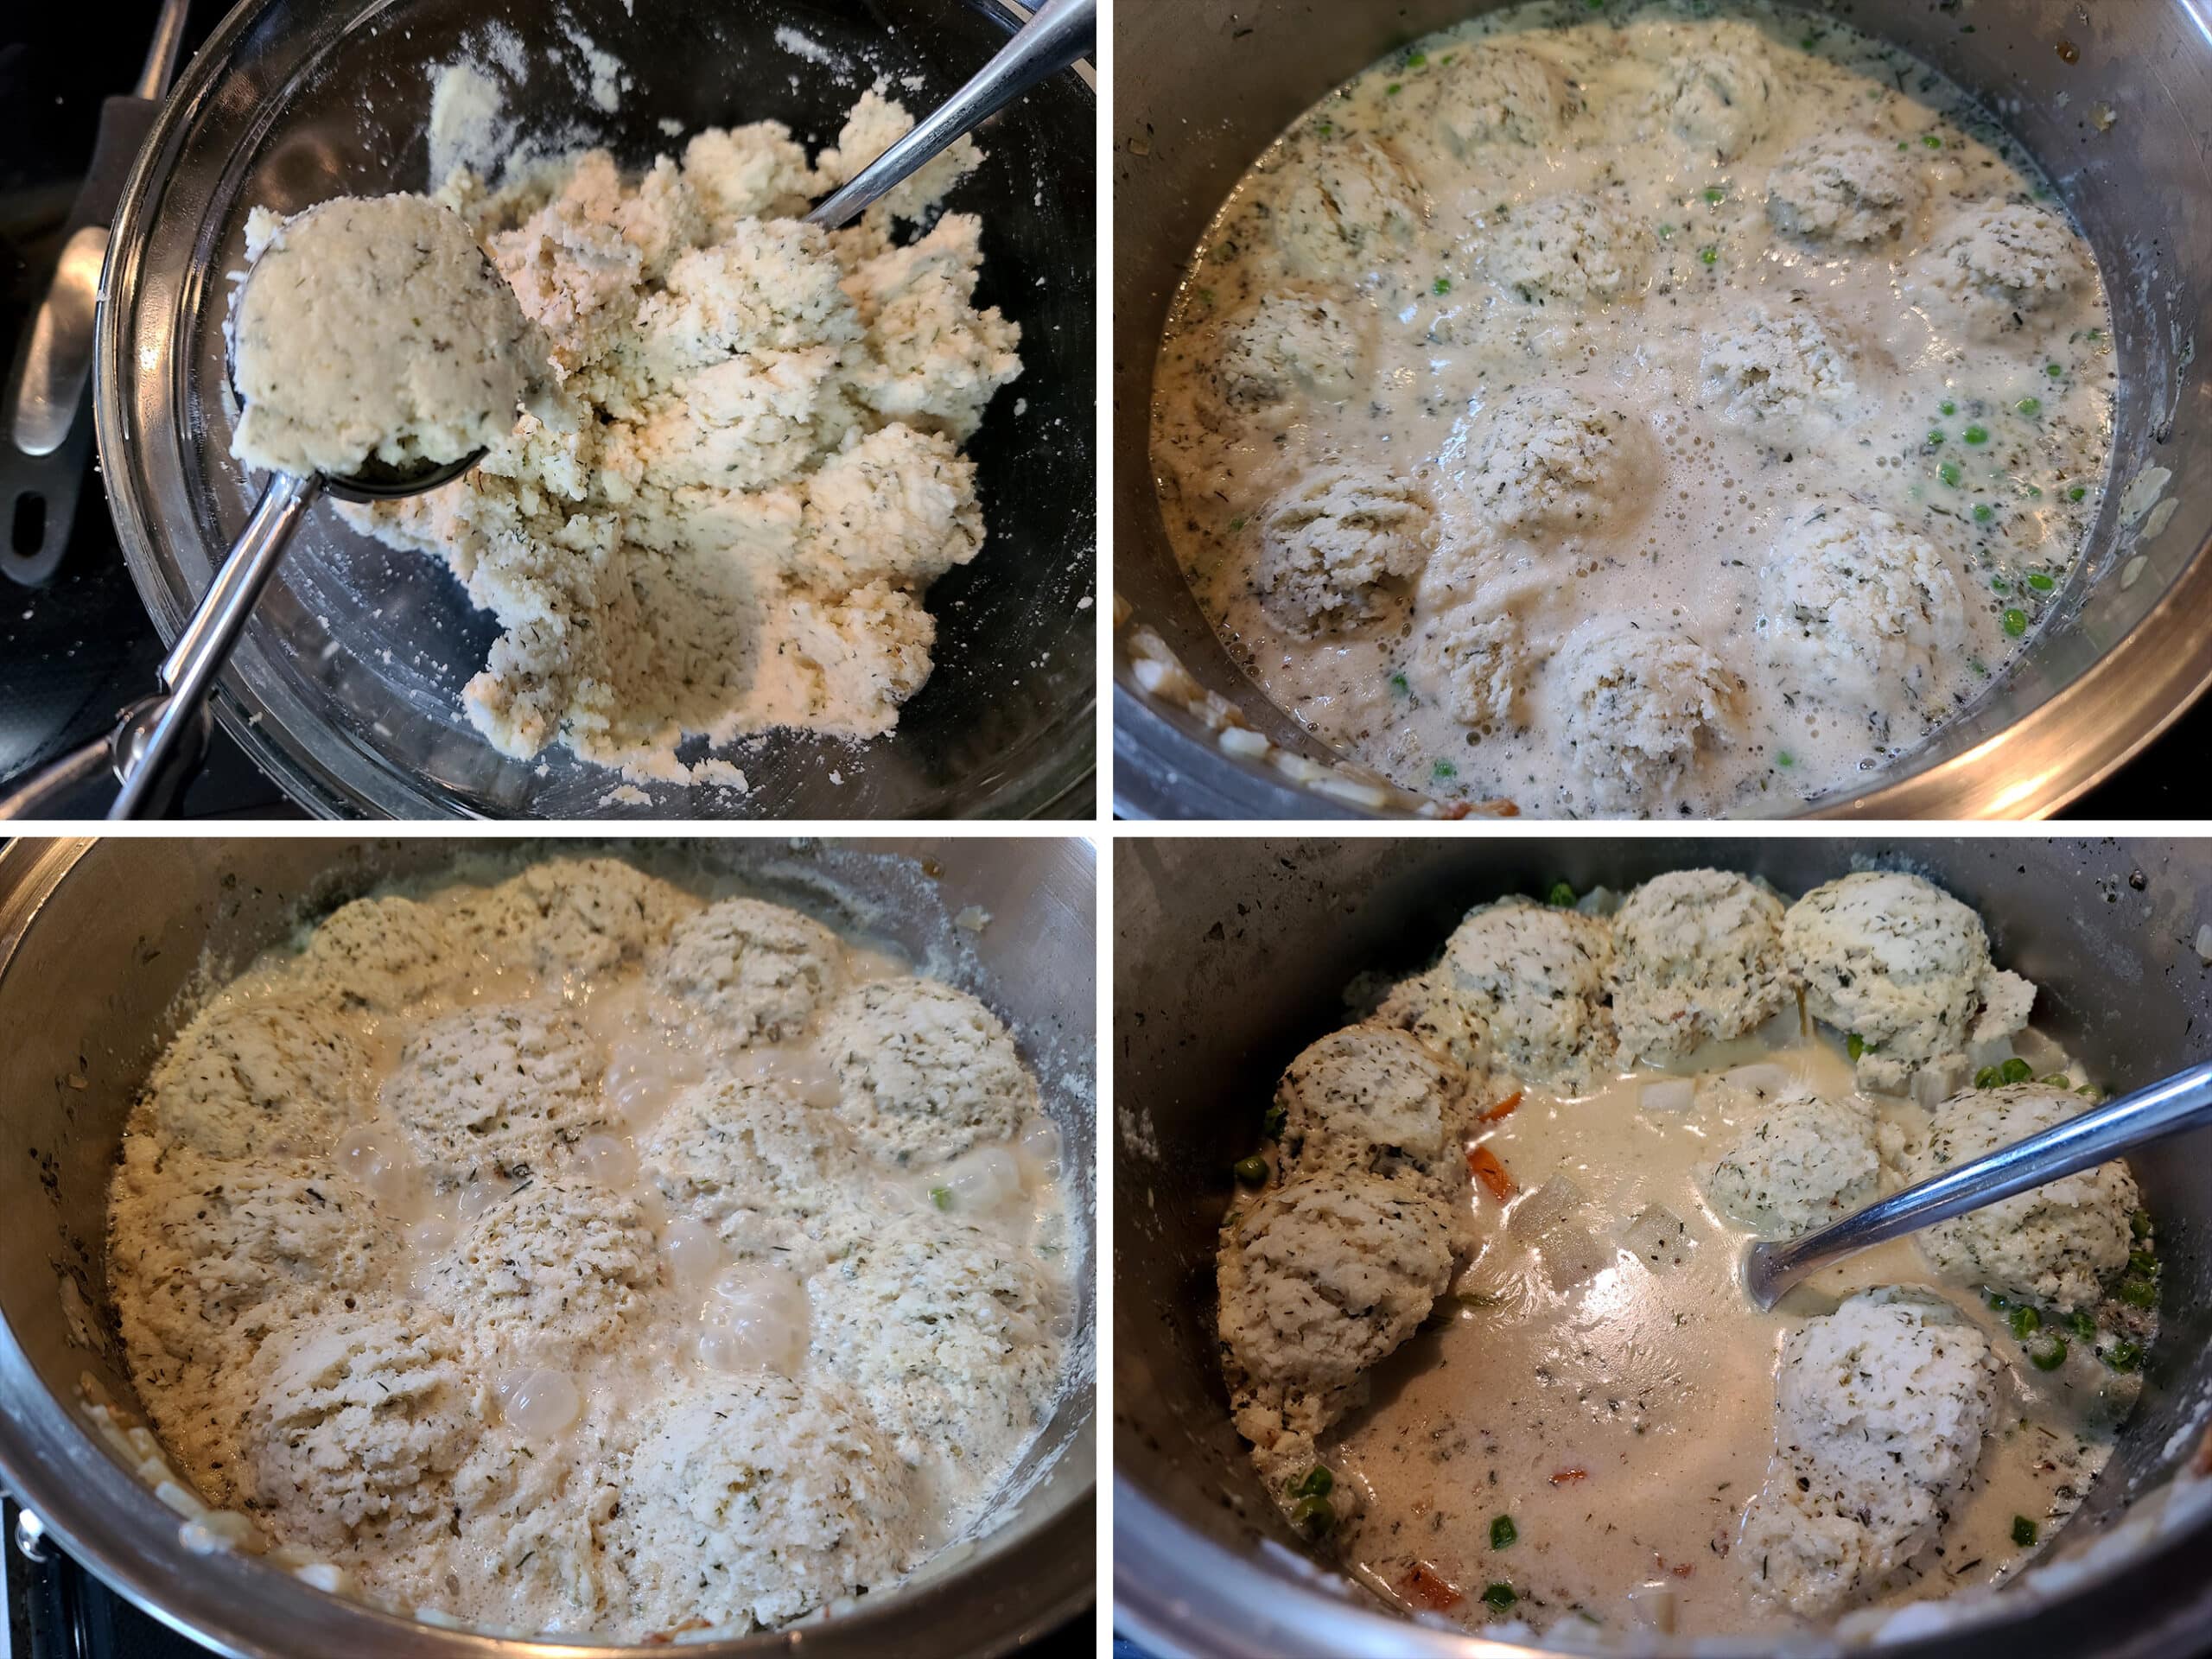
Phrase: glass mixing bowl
x=345 y=686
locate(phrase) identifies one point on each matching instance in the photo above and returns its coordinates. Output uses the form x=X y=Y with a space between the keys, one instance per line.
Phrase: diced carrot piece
x=1492 y=1173
x=1562 y=1477
x=1430 y=1588
x=1685 y=1569
x=1502 y=1109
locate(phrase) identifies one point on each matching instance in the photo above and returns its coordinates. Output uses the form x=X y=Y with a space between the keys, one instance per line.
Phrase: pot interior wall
x=2141 y=190
x=1231 y=956
x=128 y=934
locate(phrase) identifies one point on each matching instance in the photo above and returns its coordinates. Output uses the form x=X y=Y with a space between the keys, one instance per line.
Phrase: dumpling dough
x=384 y=955
x=1534 y=975
x=373 y=329
x=1880 y=1413
x=2060 y=1243
x=755 y=1502
x=1318 y=1280
x=1574 y=247
x=1335 y=543
x=1897 y=963
x=1474 y=659
x=1429 y=1008
x=1802 y=1164
x=1697 y=958
x=1717 y=96
x=743 y=971
x=730 y=1152
x=1776 y=372
x=1550 y=463
x=1374 y=1100
x=497 y=1091
x=552 y=1272
x=1851 y=187
x=1295 y=343
x=925 y=1072
x=356 y=1423
x=1638 y=710
x=1855 y=607
x=1998 y=267
x=1356 y=205
x=1502 y=94
x=941 y=1332
x=575 y=918
x=260 y=1079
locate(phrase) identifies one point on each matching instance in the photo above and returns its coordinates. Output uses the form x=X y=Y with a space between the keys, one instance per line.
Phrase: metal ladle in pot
x=2182 y=1103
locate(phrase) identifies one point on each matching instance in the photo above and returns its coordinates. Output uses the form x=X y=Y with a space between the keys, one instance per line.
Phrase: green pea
x=2049 y=1354
x=2144 y=1262
x=2029 y=406
x=1783 y=757
x=2139 y=1224
x=1854 y=1046
x=1503 y=1532
x=1715 y=195
x=1272 y=1120
x=1418 y=60
x=1319 y=1482
x=2040 y=583
x=2138 y=1293
x=2016 y=623
x=1948 y=472
x=1252 y=1171
x=1394 y=89
x=2026 y=1322
x=1499 y=1597
x=1936 y=438
x=1708 y=253
x=1238 y=522
x=1983 y=512
x=1931 y=141
x=1560 y=894
x=2054 y=370
x=1666 y=229
x=2016 y=1069
x=1999 y=585
x=1976 y=435
x=2082 y=1324
x=1312 y=1515
x=1986 y=1077
x=2023 y=1532
x=1444 y=769
x=2124 y=1356
x=1400 y=684
x=2056 y=1080
x=1998 y=1301
x=1948 y=407
x=2077 y=492
x=1442 y=285
x=941 y=1196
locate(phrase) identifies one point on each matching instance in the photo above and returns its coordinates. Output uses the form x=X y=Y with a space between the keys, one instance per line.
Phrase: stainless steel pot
x=101 y=945
x=1201 y=86
x=1231 y=956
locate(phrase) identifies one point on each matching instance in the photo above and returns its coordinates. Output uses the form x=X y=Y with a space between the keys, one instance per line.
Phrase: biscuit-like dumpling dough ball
x=1640 y=710
x=1697 y=958
x=1355 y=206
x=1547 y=463
x=2059 y=1242
x=1997 y=268
x=1777 y=373
x=1573 y=247
x=1501 y=94
x=1854 y=608
x=1535 y=976
x=1849 y=187
x=1374 y=1100
x=1804 y=1163
x=1297 y=345
x=1337 y=544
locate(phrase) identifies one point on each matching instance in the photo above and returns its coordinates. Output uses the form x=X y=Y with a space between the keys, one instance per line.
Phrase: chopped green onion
x=1999 y=585
x=1503 y=1532
x=1252 y=1171
x=1854 y=1044
x=1400 y=685
x=1312 y=1515
x=1948 y=472
x=1499 y=1597
x=1666 y=229
x=1783 y=757
x=2144 y=1262
x=2049 y=1355
x=1560 y=894
x=2139 y=1224
x=2023 y=1532
x=1238 y=522
x=941 y=1196
x=2016 y=623
x=2016 y=1069
x=1715 y=195
x=2026 y=1322
x=2082 y=1324
x=1272 y=1120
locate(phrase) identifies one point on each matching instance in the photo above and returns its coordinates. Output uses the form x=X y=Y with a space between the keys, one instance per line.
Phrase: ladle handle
x=2182 y=1103
x=1056 y=35
x=160 y=746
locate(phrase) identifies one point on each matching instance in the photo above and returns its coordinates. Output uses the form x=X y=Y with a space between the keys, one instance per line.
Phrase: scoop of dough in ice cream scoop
x=373 y=328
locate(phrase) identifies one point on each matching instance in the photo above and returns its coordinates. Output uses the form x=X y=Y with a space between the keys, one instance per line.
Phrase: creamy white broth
x=2002 y=499
x=1620 y=1412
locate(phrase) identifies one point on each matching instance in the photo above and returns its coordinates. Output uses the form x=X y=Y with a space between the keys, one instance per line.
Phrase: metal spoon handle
x=159 y=748
x=1056 y=35
x=2182 y=1103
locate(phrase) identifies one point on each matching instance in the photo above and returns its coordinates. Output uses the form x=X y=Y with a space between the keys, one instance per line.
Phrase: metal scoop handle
x=2182 y=1103
x=1057 y=34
